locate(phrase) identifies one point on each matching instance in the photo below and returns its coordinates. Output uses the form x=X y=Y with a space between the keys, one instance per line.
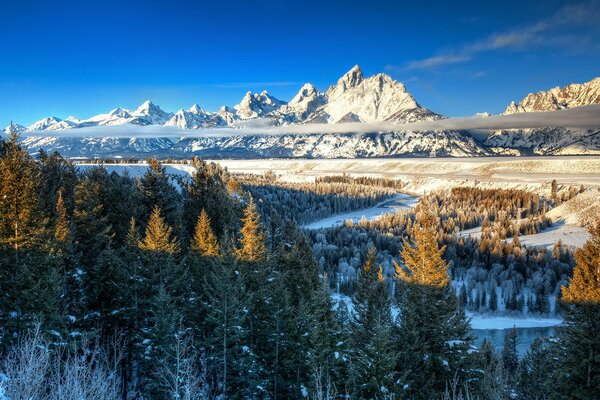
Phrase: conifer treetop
x=423 y=261
x=204 y=241
x=584 y=286
x=253 y=239
x=159 y=235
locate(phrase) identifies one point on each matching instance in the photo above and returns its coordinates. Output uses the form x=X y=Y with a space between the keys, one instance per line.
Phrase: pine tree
x=228 y=347
x=107 y=292
x=159 y=235
x=253 y=240
x=372 y=364
x=158 y=192
x=510 y=357
x=423 y=262
x=493 y=298
x=537 y=375
x=19 y=201
x=584 y=286
x=579 y=332
x=432 y=338
x=62 y=227
x=204 y=241
x=492 y=385
x=207 y=190
x=93 y=232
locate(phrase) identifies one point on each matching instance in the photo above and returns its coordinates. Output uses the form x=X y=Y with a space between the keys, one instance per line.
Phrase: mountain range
x=354 y=98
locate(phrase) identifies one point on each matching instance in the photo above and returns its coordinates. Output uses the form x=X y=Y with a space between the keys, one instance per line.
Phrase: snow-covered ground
x=583 y=210
x=135 y=170
x=570 y=235
x=424 y=175
x=400 y=201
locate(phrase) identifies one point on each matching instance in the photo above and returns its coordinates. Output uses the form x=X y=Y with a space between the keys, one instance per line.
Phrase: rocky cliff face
x=575 y=95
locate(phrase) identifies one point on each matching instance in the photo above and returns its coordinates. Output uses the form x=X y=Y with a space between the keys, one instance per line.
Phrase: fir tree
x=372 y=364
x=433 y=333
x=253 y=240
x=423 y=262
x=19 y=201
x=228 y=347
x=579 y=333
x=93 y=231
x=537 y=372
x=510 y=357
x=159 y=236
x=204 y=241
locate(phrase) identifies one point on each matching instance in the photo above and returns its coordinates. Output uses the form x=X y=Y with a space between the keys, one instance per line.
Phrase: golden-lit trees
x=584 y=286
x=62 y=228
x=253 y=239
x=159 y=235
x=204 y=240
x=580 y=342
x=432 y=338
x=19 y=184
x=423 y=261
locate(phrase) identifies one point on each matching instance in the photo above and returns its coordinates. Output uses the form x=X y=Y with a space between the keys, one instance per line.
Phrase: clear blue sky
x=59 y=58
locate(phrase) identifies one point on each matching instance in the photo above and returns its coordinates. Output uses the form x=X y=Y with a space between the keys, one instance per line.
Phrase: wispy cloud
x=579 y=117
x=546 y=32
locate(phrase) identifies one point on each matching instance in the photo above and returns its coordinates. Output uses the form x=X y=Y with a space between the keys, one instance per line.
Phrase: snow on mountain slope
x=256 y=105
x=547 y=141
x=377 y=98
x=151 y=113
x=551 y=140
x=423 y=144
x=51 y=124
x=354 y=98
x=305 y=102
x=195 y=118
x=575 y=95
x=582 y=210
x=14 y=127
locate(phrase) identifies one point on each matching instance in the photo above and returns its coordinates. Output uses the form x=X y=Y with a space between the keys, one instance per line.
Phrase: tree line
x=113 y=287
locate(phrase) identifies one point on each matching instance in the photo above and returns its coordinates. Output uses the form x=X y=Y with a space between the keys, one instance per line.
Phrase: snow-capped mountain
x=195 y=118
x=552 y=141
x=256 y=105
x=377 y=98
x=575 y=95
x=152 y=113
x=16 y=128
x=354 y=98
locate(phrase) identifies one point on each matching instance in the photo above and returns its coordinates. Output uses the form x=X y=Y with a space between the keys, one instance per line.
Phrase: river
x=525 y=336
x=400 y=201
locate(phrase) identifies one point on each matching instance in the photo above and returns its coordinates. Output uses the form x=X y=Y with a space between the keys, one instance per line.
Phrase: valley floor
x=424 y=175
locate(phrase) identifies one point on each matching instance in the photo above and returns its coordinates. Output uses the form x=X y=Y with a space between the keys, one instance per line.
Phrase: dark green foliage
x=510 y=357
x=580 y=355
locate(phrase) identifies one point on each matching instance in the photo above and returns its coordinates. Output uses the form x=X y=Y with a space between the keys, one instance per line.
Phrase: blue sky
x=61 y=58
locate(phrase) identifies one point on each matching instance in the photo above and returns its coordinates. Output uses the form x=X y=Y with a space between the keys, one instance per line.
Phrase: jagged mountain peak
x=353 y=77
x=349 y=80
x=16 y=128
x=151 y=113
x=557 y=98
x=120 y=112
x=255 y=105
x=196 y=109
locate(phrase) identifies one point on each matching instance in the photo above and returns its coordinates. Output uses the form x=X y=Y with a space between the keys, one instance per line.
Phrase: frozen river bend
x=401 y=201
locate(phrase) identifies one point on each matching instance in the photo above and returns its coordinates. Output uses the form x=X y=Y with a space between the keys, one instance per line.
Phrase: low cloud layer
x=577 y=118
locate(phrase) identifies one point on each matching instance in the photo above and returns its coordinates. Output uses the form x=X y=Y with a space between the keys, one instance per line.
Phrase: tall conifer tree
x=579 y=333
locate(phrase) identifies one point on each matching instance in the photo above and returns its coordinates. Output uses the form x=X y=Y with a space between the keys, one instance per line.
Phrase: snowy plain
x=401 y=201
x=574 y=236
